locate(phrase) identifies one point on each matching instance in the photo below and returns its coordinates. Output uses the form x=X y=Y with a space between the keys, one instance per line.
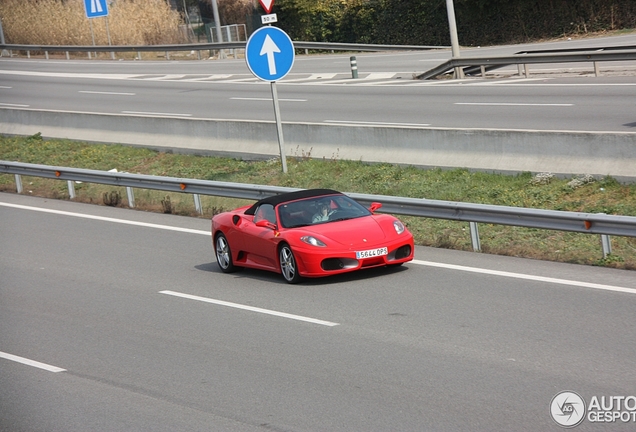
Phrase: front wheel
x=224 y=254
x=288 y=266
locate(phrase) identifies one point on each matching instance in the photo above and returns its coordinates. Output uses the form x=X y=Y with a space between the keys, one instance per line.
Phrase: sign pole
x=4 y=52
x=452 y=25
x=112 y=53
x=217 y=27
x=279 y=127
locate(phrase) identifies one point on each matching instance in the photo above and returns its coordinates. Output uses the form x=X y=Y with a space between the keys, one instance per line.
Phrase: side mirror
x=265 y=224
x=375 y=206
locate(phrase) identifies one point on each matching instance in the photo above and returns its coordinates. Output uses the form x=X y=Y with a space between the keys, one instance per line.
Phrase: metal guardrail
x=589 y=55
x=589 y=223
x=323 y=46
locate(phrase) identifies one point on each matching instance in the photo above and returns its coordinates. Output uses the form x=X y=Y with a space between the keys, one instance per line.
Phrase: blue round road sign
x=269 y=53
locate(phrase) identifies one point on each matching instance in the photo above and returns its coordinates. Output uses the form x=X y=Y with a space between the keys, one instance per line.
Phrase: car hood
x=351 y=233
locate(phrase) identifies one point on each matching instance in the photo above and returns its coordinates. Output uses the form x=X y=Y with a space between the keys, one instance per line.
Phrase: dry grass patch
x=55 y=22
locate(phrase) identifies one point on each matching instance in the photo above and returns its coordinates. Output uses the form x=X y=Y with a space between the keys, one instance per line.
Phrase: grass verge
x=582 y=194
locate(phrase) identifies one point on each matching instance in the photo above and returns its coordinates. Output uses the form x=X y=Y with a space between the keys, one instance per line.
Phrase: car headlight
x=399 y=226
x=312 y=241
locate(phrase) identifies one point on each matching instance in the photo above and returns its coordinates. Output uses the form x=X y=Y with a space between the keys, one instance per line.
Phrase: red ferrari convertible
x=309 y=233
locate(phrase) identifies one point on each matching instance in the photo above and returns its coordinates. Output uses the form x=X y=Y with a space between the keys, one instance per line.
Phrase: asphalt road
x=320 y=89
x=130 y=305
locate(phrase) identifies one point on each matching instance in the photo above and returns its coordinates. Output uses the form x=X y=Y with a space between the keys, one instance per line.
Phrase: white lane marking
x=15 y=105
x=527 y=277
x=379 y=75
x=5 y=87
x=250 y=308
x=513 y=104
x=69 y=75
x=210 y=77
x=418 y=262
x=166 y=77
x=267 y=99
x=106 y=93
x=107 y=219
x=504 y=81
x=376 y=123
x=312 y=77
x=156 y=113
x=29 y=362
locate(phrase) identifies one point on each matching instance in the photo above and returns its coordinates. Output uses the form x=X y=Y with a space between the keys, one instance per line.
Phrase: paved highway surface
x=116 y=320
x=320 y=89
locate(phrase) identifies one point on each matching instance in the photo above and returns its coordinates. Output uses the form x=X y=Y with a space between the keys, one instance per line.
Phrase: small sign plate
x=268 y=19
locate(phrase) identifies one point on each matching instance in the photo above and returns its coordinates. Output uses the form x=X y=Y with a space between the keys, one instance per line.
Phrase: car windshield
x=319 y=210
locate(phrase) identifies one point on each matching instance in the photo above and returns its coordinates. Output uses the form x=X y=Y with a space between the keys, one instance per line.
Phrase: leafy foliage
x=425 y=22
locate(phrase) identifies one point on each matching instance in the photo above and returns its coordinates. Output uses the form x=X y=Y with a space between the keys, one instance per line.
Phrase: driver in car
x=323 y=214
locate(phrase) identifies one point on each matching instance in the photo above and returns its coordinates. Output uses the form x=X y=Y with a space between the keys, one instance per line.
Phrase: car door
x=260 y=243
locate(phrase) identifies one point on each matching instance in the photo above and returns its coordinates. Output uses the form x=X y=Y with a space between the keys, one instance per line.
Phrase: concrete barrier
x=497 y=150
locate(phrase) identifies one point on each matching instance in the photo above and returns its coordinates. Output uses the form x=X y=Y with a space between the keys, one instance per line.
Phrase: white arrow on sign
x=269 y=48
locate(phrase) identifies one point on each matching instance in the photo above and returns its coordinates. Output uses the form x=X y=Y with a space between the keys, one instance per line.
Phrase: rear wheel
x=224 y=254
x=288 y=265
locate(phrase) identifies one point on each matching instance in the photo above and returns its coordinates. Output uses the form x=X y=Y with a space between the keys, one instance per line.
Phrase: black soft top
x=290 y=196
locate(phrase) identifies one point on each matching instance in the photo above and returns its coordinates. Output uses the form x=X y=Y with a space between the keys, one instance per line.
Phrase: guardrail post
x=68 y=56
x=71 y=189
x=483 y=71
x=46 y=54
x=474 y=236
x=596 y=72
x=607 y=245
x=520 y=69
x=131 y=197
x=18 y=183
x=197 y=203
x=527 y=69
x=354 y=67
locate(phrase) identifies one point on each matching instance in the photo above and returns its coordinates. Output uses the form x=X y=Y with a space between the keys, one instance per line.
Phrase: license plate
x=372 y=253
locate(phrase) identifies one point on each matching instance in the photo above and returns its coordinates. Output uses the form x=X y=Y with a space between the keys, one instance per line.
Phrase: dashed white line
x=375 y=123
x=30 y=362
x=250 y=308
x=156 y=113
x=267 y=99
x=15 y=105
x=106 y=93
x=514 y=104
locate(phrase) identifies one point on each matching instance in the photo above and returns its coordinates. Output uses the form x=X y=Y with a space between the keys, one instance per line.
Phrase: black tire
x=224 y=254
x=288 y=266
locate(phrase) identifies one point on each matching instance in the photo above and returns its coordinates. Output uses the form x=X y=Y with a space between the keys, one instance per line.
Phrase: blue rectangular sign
x=96 y=8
